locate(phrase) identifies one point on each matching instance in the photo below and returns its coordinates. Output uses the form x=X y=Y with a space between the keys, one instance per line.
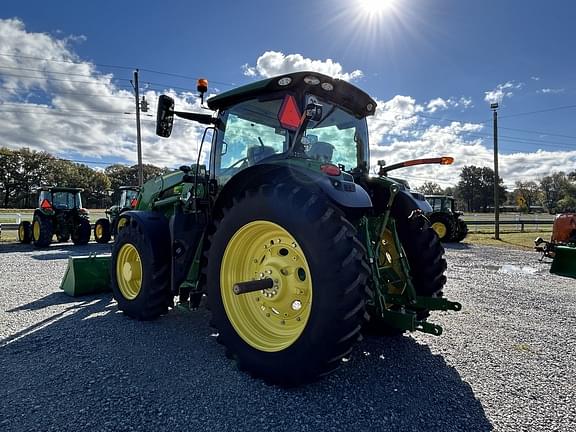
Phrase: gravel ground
x=506 y=362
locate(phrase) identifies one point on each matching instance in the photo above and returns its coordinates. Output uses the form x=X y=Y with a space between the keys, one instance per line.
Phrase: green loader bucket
x=564 y=263
x=87 y=275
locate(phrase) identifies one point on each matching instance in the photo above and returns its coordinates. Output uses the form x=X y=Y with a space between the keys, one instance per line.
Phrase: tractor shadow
x=55 y=250
x=55 y=298
x=456 y=246
x=170 y=374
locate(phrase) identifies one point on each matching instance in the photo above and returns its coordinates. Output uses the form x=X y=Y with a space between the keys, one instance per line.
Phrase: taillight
x=331 y=170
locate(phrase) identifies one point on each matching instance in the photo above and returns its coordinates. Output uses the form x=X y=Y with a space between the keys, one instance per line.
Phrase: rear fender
x=153 y=223
x=276 y=173
x=404 y=202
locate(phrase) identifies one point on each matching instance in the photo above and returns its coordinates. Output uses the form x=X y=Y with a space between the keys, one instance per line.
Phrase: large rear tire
x=140 y=271
x=102 y=231
x=302 y=327
x=42 y=230
x=81 y=233
x=462 y=230
x=25 y=232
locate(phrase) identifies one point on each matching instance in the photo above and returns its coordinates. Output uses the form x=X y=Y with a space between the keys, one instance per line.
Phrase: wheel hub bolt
x=296 y=305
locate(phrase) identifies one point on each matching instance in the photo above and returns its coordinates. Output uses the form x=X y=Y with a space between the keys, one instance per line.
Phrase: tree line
x=23 y=171
x=555 y=193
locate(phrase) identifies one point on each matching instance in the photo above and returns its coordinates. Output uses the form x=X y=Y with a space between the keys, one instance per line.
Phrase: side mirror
x=165 y=116
x=313 y=112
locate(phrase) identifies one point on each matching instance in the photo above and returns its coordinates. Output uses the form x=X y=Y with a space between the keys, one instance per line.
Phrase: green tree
x=476 y=188
x=431 y=188
x=528 y=194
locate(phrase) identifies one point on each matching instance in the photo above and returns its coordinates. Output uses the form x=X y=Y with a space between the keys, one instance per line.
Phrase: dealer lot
x=506 y=362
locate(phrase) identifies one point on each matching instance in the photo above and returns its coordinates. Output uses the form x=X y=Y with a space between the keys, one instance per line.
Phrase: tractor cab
x=441 y=203
x=128 y=197
x=59 y=198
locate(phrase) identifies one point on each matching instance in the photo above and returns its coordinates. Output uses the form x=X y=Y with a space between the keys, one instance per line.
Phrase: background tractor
x=282 y=228
x=445 y=219
x=562 y=245
x=107 y=227
x=59 y=214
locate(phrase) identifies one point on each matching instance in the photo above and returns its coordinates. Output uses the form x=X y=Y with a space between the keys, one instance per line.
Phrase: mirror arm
x=206 y=119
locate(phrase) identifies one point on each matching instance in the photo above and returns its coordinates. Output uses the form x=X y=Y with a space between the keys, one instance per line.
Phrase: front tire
x=102 y=231
x=302 y=327
x=25 y=232
x=140 y=271
x=81 y=233
x=444 y=226
x=62 y=238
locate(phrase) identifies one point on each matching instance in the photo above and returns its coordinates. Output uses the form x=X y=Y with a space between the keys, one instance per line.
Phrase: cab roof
x=60 y=189
x=343 y=93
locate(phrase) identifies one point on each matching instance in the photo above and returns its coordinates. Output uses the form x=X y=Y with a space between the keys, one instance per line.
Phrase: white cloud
x=75 y=110
x=273 y=63
x=551 y=90
x=502 y=91
x=535 y=78
x=68 y=107
x=398 y=133
x=439 y=103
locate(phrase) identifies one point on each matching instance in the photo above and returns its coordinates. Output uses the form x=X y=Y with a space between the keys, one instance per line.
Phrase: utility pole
x=138 y=136
x=494 y=108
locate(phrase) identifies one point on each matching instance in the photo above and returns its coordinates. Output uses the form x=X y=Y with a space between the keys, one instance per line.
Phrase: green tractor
x=445 y=219
x=59 y=214
x=283 y=229
x=107 y=227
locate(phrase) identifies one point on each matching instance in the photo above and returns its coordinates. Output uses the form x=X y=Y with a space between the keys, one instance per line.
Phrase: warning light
x=289 y=114
x=446 y=160
x=331 y=170
x=202 y=87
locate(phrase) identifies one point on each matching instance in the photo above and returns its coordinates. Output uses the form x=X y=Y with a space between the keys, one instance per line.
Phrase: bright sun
x=375 y=7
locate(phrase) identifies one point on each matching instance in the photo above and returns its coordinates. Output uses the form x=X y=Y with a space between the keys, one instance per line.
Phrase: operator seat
x=321 y=151
x=255 y=154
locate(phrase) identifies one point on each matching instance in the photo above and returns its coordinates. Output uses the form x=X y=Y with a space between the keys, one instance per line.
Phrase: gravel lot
x=506 y=362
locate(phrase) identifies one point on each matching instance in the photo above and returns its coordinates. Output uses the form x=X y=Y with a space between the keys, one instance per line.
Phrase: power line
x=71 y=114
x=65 y=80
x=539 y=111
x=175 y=75
x=46 y=71
x=539 y=132
x=60 y=92
x=65 y=61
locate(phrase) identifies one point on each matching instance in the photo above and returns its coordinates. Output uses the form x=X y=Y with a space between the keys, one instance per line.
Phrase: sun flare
x=375 y=7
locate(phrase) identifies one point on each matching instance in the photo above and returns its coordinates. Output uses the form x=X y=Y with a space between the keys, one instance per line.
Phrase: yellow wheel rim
x=440 y=229
x=273 y=319
x=99 y=231
x=129 y=271
x=121 y=223
x=390 y=257
x=20 y=233
x=36 y=230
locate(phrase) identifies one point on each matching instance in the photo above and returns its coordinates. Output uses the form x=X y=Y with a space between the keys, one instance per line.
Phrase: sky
x=433 y=66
